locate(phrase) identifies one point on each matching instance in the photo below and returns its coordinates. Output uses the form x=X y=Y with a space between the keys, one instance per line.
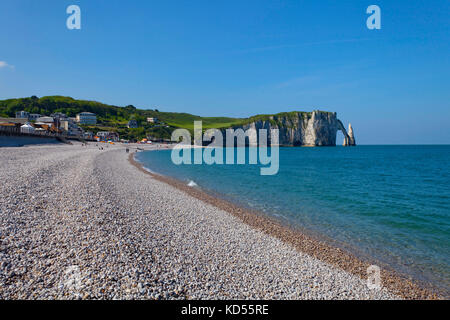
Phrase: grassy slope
x=186 y=120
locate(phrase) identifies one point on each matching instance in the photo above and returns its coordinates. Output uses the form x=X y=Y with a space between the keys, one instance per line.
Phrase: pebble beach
x=77 y=222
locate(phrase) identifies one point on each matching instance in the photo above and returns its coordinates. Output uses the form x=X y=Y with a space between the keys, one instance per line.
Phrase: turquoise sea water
x=391 y=203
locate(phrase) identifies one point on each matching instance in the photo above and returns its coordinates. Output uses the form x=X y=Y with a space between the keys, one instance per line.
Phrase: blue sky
x=240 y=58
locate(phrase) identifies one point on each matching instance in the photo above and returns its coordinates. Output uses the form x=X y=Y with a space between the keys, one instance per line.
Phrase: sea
x=389 y=203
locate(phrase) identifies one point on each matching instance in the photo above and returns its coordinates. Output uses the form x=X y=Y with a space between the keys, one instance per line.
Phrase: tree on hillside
x=130 y=108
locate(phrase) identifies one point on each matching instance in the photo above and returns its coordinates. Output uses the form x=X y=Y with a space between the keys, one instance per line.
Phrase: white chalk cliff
x=317 y=128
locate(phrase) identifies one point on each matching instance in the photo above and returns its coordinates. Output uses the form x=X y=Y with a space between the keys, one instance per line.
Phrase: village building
x=86 y=118
x=33 y=116
x=22 y=114
x=70 y=127
x=107 y=136
x=132 y=124
x=45 y=122
x=88 y=135
x=12 y=125
x=58 y=115
x=26 y=115
x=27 y=128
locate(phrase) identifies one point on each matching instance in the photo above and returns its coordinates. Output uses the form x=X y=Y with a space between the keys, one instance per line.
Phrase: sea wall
x=19 y=141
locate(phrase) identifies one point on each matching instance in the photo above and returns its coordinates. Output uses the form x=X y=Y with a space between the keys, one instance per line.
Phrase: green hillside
x=115 y=118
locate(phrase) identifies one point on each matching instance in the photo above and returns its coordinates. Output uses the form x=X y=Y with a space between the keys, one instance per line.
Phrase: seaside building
x=45 y=119
x=132 y=124
x=27 y=115
x=107 y=136
x=33 y=116
x=65 y=125
x=27 y=128
x=152 y=120
x=48 y=121
x=20 y=121
x=11 y=125
x=70 y=127
x=39 y=129
x=88 y=135
x=22 y=114
x=86 y=118
x=58 y=115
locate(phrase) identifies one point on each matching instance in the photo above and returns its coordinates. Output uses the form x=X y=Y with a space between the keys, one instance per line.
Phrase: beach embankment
x=19 y=141
x=79 y=222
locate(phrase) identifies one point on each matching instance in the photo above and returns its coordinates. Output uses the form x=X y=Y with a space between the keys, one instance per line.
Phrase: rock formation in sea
x=350 y=139
x=317 y=128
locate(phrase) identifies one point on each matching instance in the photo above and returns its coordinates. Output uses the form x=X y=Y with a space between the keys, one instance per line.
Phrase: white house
x=27 y=128
x=22 y=114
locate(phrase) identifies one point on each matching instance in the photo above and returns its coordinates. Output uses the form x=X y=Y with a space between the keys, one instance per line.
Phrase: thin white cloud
x=4 y=64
